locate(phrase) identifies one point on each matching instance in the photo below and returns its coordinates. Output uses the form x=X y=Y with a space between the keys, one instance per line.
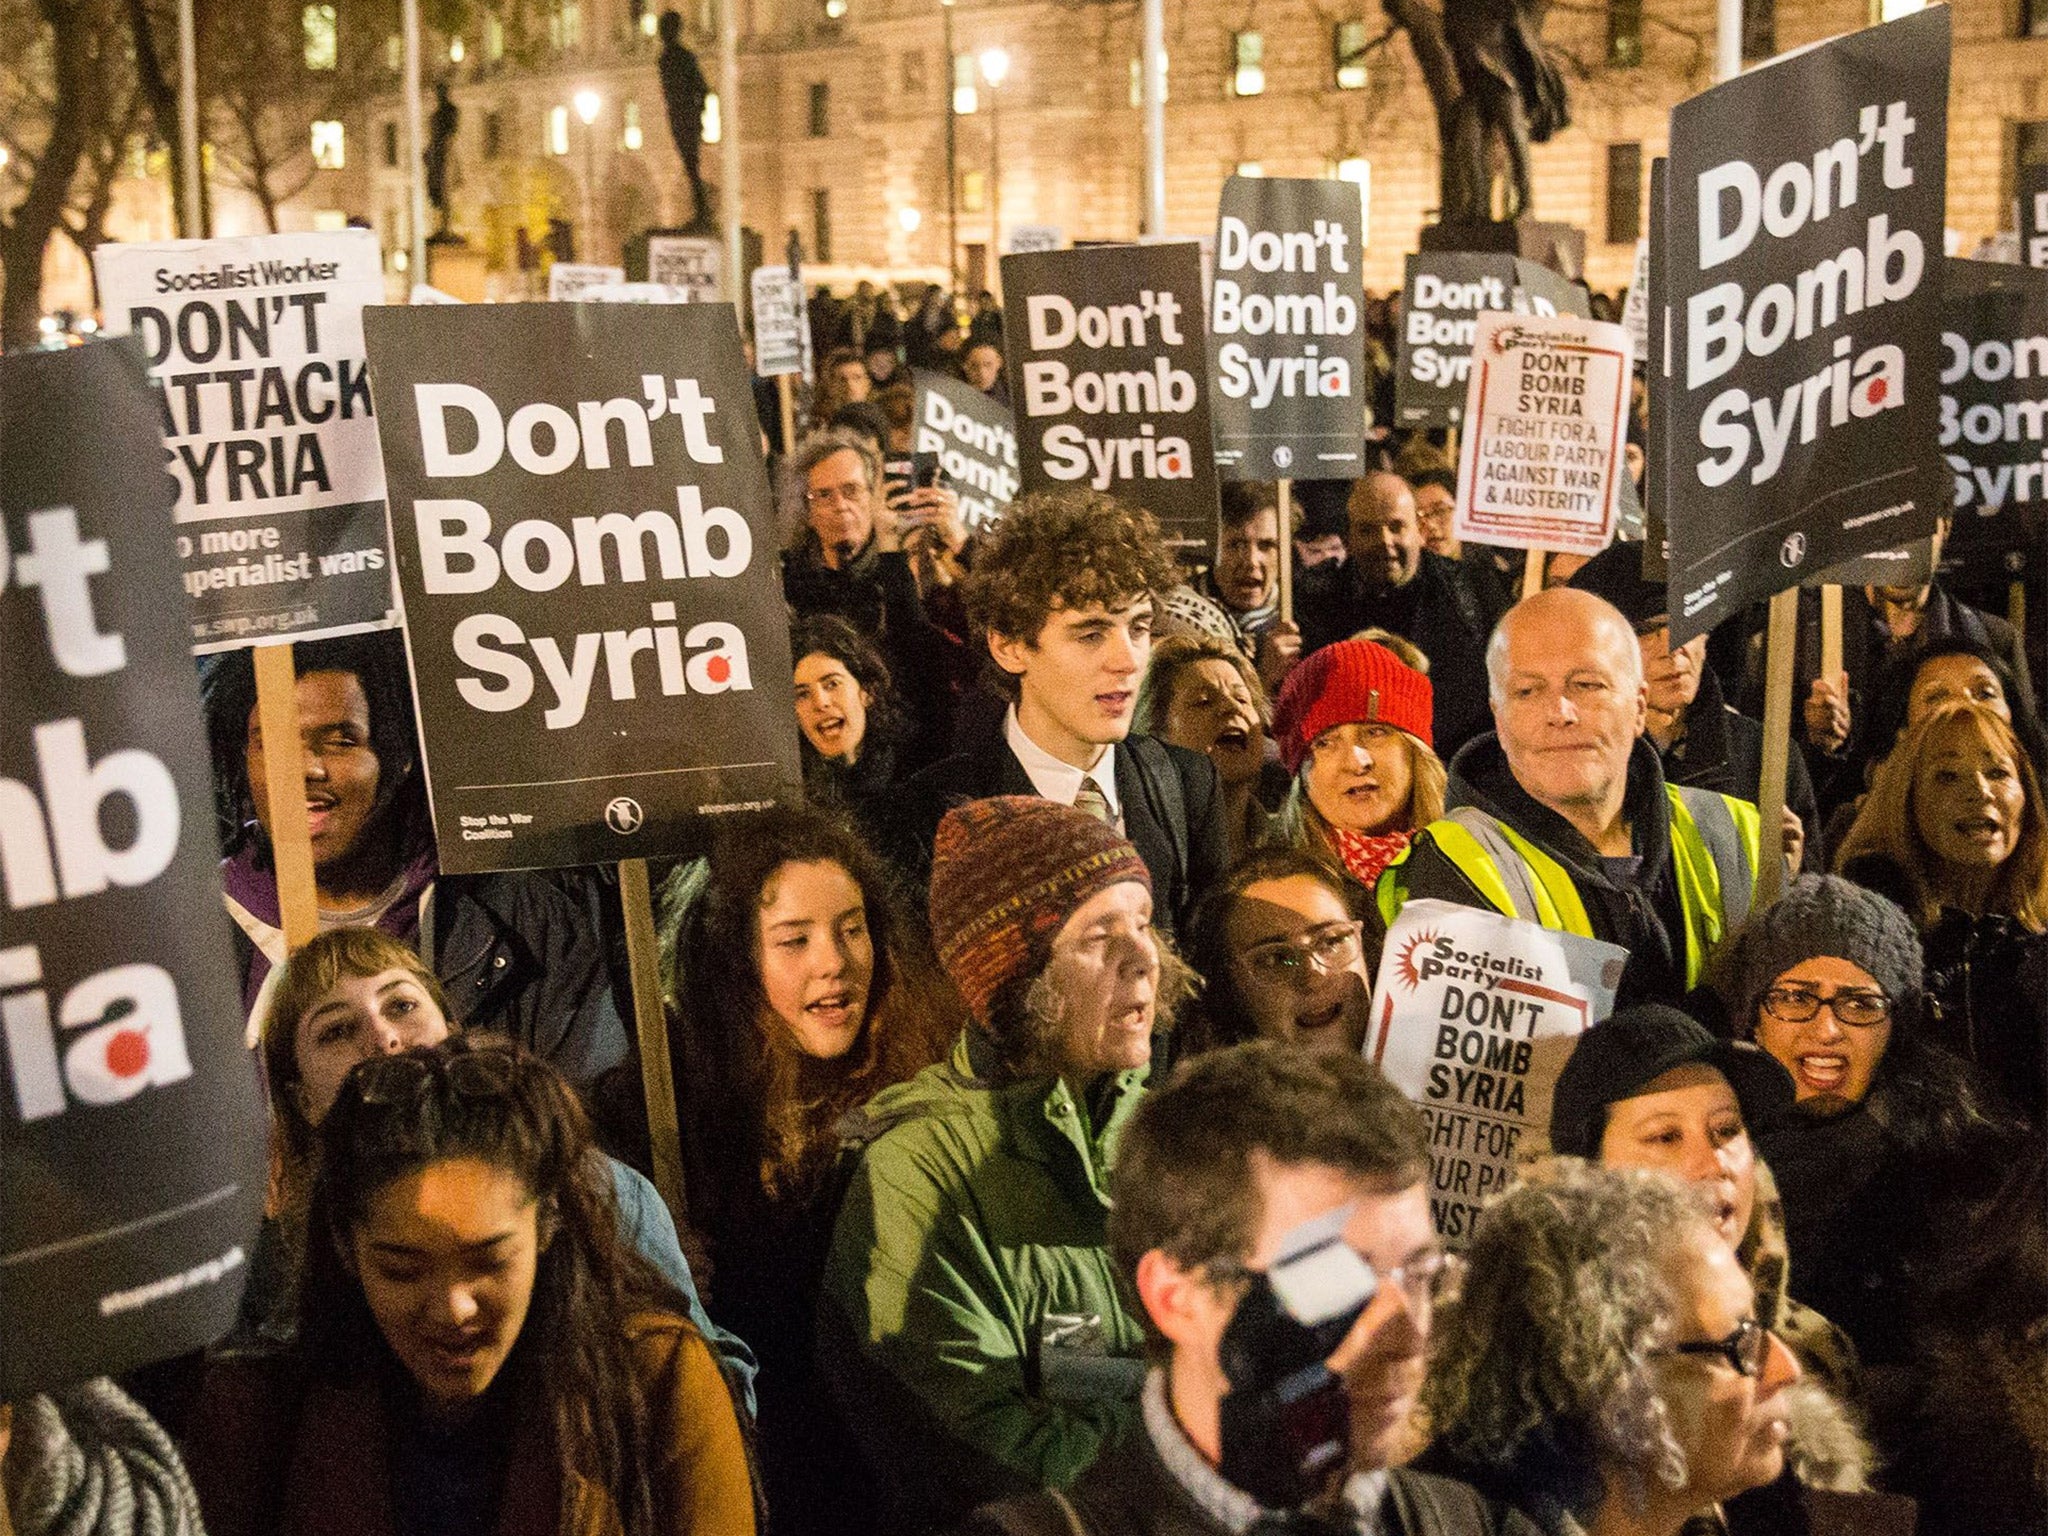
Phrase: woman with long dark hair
x=478 y=1351
x=797 y=992
x=849 y=720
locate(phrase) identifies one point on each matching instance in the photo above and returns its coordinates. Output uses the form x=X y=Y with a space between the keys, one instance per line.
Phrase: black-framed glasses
x=486 y=1072
x=1857 y=1007
x=1323 y=950
x=1744 y=1349
x=1423 y=1281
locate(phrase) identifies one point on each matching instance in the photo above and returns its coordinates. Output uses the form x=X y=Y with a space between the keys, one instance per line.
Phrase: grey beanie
x=1823 y=915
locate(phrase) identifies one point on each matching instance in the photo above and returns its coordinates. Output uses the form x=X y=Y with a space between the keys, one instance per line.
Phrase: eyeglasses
x=387 y=1081
x=1423 y=1282
x=1744 y=1349
x=1322 y=950
x=854 y=492
x=1802 y=1005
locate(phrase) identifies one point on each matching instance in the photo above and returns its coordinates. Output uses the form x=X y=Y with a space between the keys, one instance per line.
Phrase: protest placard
x=1442 y=297
x=1635 y=304
x=976 y=441
x=1540 y=463
x=1658 y=385
x=635 y=293
x=1994 y=410
x=131 y=1132
x=587 y=552
x=1806 y=203
x=1474 y=1015
x=782 y=325
x=1540 y=291
x=1286 y=331
x=1024 y=238
x=2033 y=228
x=689 y=262
x=1109 y=378
x=257 y=348
x=568 y=279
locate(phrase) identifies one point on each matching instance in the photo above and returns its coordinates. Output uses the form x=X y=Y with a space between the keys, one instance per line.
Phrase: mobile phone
x=925 y=470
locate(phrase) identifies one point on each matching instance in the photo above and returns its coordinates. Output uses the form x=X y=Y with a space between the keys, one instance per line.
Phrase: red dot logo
x=1170 y=464
x=1876 y=391
x=127 y=1053
x=718 y=669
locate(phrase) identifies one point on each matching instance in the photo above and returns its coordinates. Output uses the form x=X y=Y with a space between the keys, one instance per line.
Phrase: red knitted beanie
x=1351 y=681
x=1007 y=873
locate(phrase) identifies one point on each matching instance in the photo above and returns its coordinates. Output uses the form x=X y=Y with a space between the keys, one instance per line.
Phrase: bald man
x=1390 y=580
x=1562 y=815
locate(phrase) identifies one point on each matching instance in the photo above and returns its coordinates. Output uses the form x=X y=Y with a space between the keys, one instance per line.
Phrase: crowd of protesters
x=1018 y=1068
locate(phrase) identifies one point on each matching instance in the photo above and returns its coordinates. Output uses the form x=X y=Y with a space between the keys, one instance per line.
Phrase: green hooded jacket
x=971 y=1321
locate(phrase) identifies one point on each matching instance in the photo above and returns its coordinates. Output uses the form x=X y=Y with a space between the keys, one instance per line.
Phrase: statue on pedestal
x=441 y=126
x=1492 y=82
x=684 y=90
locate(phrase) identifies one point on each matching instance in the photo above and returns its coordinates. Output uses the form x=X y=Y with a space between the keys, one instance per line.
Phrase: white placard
x=1546 y=412
x=1034 y=237
x=688 y=262
x=782 y=325
x=1474 y=1016
x=568 y=279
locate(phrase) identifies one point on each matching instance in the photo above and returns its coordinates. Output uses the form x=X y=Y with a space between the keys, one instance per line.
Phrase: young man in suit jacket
x=1064 y=590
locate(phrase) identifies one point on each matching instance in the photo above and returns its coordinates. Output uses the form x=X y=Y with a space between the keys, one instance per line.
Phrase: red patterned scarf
x=1366 y=855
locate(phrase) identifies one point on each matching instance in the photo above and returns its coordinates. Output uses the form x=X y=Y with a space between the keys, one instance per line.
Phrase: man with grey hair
x=1562 y=815
x=847 y=559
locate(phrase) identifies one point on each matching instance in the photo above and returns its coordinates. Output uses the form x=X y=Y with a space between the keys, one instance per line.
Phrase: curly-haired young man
x=1064 y=590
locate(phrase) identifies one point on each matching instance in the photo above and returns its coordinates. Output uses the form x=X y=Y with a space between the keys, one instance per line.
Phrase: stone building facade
x=843 y=119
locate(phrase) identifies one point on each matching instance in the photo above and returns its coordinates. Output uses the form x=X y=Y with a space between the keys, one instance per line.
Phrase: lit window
x=648 y=24
x=329 y=151
x=323 y=47
x=1251 y=168
x=494 y=37
x=966 y=95
x=714 y=120
x=394 y=53
x=565 y=26
x=630 y=136
x=974 y=192
x=456 y=52
x=1165 y=81
x=1348 y=45
x=1892 y=10
x=835 y=10
x=1625 y=33
x=1248 y=63
x=329 y=221
x=558 y=130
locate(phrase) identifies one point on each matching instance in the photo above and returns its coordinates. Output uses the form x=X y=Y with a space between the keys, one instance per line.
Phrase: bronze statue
x=441 y=126
x=1492 y=82
x=684 y=91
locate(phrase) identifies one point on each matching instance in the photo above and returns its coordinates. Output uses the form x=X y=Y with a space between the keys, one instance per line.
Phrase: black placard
x=587 y=554
x=1994 y=412
x=131 y=1133
x=2033 y=189
x=1109 y=375
x=1806 y=206
x=1286 y=331
x=1441 y=297
x=976 y=441
x=1657 y=377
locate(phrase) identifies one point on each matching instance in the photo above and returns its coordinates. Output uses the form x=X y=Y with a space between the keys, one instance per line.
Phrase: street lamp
x=952 y=159
x=588 y=105
x=908 y=219
x=995 y=68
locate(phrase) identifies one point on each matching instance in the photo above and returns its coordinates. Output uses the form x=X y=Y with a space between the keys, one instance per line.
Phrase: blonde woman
x=1955 y=830
x=1353 y=727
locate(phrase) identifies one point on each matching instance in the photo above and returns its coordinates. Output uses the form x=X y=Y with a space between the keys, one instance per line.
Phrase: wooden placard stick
x=1532 y=573
x=785 y=393
x=1780 y=646
x=1286 y=518
x=284 y=787
x=650 y=1024
x=1830 y=630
